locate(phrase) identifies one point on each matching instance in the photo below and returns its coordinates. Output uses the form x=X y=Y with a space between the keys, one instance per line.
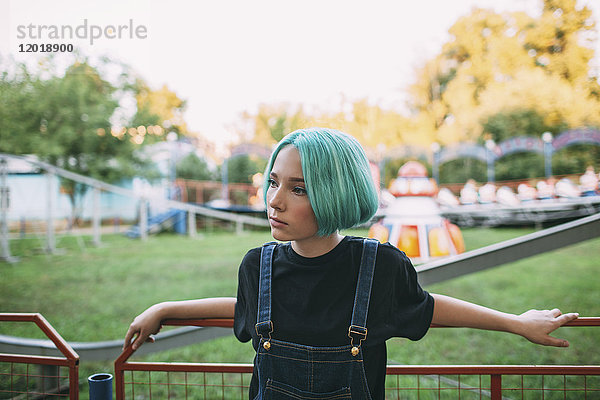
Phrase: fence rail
x=227 y=381
x=16 y=372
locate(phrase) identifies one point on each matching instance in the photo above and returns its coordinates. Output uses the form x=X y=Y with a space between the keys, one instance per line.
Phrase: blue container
x=100 y=386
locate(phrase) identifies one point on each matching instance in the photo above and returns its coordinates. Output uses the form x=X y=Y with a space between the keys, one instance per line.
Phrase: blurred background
x=137 y=117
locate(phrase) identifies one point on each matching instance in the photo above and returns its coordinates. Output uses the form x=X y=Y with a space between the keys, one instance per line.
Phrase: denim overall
x=294 y=371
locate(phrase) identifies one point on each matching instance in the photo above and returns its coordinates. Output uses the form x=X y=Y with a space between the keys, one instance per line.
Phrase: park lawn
x=92 y=294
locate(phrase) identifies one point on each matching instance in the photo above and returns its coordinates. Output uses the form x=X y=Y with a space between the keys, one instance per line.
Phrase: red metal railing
x=404 y=381
x=16 y=377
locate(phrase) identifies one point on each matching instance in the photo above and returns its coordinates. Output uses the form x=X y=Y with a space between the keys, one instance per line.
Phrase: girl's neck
x=316 y=246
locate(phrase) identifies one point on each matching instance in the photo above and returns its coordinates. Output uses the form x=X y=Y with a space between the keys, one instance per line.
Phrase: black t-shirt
x=312 y=301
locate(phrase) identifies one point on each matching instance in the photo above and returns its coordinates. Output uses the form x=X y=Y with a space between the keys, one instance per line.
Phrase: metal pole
x=436 y=167
x=435 y=162
x=96 y=217
x=224 y=181
x=382 y=173
x=489 y=147
x=192 y=224
x=548 y=159
x=143 y=219
x=50 y=239
x=4 y=204
x=490 y=166
x=490 y=173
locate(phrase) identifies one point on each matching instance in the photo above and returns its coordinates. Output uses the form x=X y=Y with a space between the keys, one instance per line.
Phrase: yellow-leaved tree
x=503 y=62
x=160 y=107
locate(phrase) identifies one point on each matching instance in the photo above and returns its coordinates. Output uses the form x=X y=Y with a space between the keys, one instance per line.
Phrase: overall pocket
x=280 y=391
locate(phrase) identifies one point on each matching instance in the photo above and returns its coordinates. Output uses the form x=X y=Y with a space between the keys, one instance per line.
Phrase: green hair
x=337 y=177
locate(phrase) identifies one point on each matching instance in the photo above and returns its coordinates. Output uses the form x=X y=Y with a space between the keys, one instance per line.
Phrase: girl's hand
x=144 y=325
x=536 y=326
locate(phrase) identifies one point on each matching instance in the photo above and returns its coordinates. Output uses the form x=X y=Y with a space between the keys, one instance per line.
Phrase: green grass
x=92 y=294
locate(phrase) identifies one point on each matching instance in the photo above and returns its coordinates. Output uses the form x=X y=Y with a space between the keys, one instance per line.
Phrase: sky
x=227 y=57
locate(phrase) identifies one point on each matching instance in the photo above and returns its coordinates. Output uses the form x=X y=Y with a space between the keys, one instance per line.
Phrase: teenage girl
x=319 y=306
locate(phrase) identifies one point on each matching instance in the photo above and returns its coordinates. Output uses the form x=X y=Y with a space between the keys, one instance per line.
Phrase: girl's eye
x=299 y=190
x=272 y=183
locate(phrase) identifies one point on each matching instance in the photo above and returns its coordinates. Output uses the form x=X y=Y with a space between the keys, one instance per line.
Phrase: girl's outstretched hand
x=536 y=326
x=144 y=325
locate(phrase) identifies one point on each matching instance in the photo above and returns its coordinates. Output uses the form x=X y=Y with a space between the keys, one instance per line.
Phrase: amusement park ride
x=550 y=201
x=423 y=221
x=412 y=219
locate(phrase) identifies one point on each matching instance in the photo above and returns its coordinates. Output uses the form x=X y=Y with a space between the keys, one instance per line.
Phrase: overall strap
x=358 y=326
x=264 y=326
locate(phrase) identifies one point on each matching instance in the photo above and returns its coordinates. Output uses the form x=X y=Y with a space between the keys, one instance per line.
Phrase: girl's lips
x=276 y=222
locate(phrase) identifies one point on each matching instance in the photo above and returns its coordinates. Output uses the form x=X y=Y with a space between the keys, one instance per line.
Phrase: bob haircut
x=337 y=176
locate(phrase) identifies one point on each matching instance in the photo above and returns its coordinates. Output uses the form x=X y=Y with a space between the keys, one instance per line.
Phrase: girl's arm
x=149 y=322
x=534 y=325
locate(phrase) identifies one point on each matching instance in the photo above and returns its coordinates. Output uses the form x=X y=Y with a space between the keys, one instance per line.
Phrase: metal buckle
x=357 y=330
x=267 y=343
x=262 y=323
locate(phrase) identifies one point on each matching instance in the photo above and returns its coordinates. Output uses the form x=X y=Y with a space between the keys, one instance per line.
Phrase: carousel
x=412 y=219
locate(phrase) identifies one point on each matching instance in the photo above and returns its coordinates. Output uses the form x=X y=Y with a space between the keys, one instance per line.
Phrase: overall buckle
x=360 y=333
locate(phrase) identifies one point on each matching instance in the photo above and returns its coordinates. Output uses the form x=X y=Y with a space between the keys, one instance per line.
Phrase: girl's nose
x=275 y=200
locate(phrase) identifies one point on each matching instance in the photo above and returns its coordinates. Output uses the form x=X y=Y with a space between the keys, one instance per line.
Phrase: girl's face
x=290 y=213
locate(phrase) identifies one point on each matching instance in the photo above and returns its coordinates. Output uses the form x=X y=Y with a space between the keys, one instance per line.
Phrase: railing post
x=192 y=224
x=496 y=386
x=96 y=217
x=50 y=240
x=120 y=373
x=143 y=219
x=74 y=381
x=4 y=205
x=119 y=383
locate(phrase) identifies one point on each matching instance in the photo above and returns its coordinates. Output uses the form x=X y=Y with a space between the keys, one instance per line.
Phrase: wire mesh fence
x=38 y=376
x=205 y=381
x=19 y=380
x=493 y=382
x=186 y=385
x=147 y=380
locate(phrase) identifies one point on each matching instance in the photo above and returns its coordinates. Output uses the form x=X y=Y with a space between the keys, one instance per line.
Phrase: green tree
x=575 y=159
x=23 y=128
x=520 y=122
x=65 y=120
x=194 y=167
x=507 y=124
x=463 y=169
x=241 y=168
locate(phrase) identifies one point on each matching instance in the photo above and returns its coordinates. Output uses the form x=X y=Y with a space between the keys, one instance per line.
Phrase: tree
x=560 y=41
x=23 y=128
x=65 y=120
x=499 y=76
x=369 y=124
x=160 y=107
x=193 y=167
x=499 y=63
x=241 y=168
x=520 y=122
x=463 y=169
x=272 y=122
